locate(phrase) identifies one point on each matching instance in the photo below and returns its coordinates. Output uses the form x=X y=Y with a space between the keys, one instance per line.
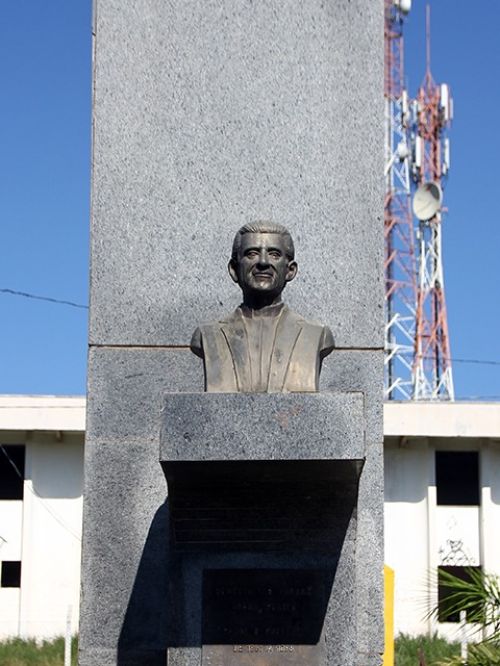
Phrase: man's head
x=262 y=261
x=264 y=227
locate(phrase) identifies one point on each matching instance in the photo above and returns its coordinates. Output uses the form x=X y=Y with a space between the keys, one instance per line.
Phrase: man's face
x=262 y=266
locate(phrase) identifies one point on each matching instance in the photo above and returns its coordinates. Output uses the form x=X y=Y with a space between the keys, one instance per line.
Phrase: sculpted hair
x=264 y=228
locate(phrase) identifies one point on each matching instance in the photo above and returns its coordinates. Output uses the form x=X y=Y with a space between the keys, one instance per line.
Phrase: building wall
x=420 y=535
x=44 y=529
x=44 y=532
x=11 y=523
x=407 y=474
x=51 y=535
x=490 y=505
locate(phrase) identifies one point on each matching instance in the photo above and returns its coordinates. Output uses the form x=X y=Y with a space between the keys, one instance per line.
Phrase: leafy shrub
x=433 y=648
x=479 y=596
x=19 y=652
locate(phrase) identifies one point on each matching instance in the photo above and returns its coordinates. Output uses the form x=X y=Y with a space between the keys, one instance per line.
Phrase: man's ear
x=232 y=267
x=292 y=271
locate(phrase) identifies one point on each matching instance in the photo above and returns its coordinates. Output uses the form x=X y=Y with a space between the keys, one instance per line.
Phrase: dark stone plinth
x=262 y=511
x=258 y=426
x=260 y=505
x=258 y=472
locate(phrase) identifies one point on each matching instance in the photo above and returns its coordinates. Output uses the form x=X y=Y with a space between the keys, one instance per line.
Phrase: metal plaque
x=264 y=617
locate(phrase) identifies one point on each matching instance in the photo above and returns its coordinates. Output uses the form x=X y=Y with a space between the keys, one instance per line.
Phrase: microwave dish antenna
x=427 y=201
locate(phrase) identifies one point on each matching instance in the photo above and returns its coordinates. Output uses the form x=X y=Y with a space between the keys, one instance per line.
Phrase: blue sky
x=45 y=54
x=45 y=61
x=466 y=55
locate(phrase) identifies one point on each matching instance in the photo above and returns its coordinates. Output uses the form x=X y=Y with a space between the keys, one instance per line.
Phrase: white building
x=442 y=506
x=41 y=440
x=442 y=500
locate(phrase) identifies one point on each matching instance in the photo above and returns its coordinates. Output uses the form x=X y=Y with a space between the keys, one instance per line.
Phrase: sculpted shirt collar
x=268 y=311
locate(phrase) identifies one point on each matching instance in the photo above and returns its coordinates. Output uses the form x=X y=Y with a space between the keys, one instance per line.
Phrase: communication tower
x=400 y=265
x=432 y=113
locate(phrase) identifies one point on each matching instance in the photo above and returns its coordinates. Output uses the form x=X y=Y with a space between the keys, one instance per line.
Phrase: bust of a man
x=263 y=346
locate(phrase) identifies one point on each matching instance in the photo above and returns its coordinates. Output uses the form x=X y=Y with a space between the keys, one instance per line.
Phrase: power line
x=12 y=463
x=481 y=398
x=477 y=361
x=59 y=301
x=33 y=491
x=25 y=294
x=474 y=360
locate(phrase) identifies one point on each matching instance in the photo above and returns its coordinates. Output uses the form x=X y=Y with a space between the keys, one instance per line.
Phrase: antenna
x=417 y=158
x=427 y=201
x=428 y=40
x=433 y=372
x=400 y=266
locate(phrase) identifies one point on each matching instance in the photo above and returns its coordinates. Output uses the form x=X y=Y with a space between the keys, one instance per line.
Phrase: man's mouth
x=263 y=276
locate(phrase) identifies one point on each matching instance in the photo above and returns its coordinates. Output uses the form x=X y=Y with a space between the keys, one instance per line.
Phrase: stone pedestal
x=263 y=493
x=209 y=114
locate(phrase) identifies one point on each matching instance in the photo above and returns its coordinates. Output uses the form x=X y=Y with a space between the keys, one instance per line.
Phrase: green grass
x=18 y=652
x=433 y=648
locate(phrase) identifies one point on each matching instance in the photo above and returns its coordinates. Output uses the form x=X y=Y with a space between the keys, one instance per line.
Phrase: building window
x=11 y=574
x=457 y=478
x=11 y=471
x=445 y=592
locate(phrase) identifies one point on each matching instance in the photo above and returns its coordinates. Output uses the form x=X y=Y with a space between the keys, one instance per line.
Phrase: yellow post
x=389 y=616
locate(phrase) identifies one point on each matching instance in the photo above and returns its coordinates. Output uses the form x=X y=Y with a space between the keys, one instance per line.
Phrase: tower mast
x=400 y=265
x=433 y=112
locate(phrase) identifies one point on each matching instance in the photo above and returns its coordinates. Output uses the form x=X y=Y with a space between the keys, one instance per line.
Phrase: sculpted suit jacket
x=280 y=355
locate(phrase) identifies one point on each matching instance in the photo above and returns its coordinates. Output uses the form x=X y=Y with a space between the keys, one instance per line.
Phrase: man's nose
x=263 y=258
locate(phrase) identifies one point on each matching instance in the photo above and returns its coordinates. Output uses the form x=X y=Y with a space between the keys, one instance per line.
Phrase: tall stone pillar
x=209 y=114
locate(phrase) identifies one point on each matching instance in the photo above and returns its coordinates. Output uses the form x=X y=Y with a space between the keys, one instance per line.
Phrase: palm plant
x=478 y=595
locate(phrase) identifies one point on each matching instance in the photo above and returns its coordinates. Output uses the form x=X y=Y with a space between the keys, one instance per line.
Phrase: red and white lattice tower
x=400 y=265
x=432 y=114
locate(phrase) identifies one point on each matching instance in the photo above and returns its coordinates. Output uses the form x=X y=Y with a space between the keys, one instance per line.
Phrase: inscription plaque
x=262 y=655
x=264 y=617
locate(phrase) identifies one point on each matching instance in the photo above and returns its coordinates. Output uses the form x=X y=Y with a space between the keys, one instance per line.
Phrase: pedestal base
x=262 y=505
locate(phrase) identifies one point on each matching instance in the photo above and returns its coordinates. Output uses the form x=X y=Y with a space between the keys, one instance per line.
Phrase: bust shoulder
x=327 y=343
x=196 y=344
x=315 y=330
x=210 y=327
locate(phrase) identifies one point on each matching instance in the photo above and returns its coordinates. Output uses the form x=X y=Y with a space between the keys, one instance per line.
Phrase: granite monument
x=209 y=114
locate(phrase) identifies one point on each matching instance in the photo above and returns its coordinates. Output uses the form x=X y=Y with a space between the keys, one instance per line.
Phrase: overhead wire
x=25 y=294
x=59 y=301
x=459 y=360
x=32 y=490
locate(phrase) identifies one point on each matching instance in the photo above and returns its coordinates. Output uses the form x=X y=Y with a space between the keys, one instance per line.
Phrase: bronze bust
x=263 y=346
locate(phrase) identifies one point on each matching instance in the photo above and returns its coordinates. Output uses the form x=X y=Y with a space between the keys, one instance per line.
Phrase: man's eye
x=275 y=255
